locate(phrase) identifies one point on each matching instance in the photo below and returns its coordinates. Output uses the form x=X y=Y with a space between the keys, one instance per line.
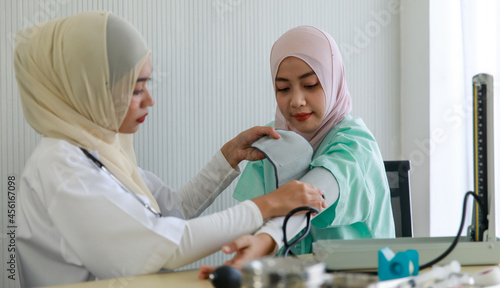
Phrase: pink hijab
x=318 y=49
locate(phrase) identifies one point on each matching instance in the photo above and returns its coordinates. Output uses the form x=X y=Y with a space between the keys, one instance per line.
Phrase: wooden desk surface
x=184 y=279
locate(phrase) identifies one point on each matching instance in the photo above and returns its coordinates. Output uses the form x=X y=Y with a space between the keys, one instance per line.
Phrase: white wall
x=212 y=80
x=415 y=105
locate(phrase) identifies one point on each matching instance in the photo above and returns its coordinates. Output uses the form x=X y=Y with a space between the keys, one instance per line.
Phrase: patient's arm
x=269 y=238
x=322 y=179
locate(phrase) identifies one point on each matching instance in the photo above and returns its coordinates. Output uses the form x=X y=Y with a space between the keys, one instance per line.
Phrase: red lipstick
x=301 y=117
x=140 y=120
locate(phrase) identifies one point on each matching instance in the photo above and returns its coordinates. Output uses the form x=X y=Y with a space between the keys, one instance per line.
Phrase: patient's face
x=299 y=95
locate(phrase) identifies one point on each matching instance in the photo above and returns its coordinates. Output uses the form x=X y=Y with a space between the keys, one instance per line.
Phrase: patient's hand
x=247 y=247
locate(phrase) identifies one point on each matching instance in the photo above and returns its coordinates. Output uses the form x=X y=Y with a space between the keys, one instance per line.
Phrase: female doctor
x=86 y=211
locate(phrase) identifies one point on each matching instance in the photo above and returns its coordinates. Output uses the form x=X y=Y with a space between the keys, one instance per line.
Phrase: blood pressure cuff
x=290 y=155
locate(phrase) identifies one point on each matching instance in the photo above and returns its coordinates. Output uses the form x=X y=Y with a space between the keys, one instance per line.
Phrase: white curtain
x=464 y=41
x=481 y=46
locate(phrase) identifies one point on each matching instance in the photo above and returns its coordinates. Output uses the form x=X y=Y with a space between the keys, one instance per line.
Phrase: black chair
x=398 y=174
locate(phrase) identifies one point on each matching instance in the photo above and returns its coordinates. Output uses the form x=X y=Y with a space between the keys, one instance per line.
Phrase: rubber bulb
x=226 y=277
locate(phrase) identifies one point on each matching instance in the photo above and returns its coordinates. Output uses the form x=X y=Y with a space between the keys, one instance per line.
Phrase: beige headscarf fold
x=76 y=77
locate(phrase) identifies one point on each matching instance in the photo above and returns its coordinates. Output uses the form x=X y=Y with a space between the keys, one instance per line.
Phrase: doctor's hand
x=246 y=247
x=238 y=149
x=288 y=197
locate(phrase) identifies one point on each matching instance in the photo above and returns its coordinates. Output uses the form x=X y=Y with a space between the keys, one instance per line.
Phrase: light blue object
x=399 y=265
x=290 y=155
x=363 y=209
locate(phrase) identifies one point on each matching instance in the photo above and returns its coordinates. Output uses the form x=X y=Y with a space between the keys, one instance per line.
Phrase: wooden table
x=183 y=279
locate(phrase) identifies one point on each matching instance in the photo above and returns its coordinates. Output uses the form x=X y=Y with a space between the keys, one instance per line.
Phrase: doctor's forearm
x=206 y=235
x=202 y=190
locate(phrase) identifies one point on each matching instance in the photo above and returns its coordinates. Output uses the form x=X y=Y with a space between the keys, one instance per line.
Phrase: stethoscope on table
x=103 y=168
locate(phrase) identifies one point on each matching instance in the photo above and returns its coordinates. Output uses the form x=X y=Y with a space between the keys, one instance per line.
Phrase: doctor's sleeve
x=196 y=195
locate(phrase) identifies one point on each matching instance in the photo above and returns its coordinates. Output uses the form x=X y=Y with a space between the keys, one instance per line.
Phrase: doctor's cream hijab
x=318 y=49
x=76 y=77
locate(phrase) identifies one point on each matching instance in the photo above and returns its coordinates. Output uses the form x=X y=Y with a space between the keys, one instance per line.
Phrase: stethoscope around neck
x=103 y=168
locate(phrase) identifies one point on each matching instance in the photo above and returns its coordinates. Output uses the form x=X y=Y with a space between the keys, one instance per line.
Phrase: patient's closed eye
x=312 y=85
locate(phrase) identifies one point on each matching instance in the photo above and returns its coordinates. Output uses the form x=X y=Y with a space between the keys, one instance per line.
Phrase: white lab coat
x=77 y=224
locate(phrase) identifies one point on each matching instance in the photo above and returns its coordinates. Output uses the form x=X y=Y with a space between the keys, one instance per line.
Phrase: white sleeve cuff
x=219 y=157
x=274 y=228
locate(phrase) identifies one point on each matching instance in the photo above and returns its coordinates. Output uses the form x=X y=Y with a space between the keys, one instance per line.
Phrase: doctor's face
x=299 y=95
x=141 y=101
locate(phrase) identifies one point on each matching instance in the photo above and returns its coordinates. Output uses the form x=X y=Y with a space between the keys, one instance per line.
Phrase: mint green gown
x=363 y=210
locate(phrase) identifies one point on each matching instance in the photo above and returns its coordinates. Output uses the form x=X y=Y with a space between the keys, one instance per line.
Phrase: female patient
x=82 y=81
x=313 y=100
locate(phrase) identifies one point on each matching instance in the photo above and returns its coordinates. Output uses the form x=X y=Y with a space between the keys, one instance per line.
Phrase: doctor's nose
x=148 y=100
